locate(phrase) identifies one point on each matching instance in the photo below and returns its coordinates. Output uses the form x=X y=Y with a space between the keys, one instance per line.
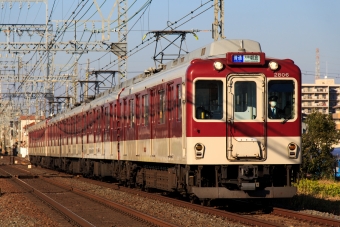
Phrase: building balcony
x=337 y=126
x=314 y=98
x=319 y=91
x=336 y=116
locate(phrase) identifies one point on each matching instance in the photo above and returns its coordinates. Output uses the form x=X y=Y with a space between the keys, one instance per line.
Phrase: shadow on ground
x=305 y=202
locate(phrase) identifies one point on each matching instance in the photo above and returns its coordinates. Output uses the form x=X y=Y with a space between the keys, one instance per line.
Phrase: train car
x=223 y=121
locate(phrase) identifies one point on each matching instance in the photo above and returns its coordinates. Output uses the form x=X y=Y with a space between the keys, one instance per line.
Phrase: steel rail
x=306 y=217
x=60 y=208
x=207 y=210
x=123 y=209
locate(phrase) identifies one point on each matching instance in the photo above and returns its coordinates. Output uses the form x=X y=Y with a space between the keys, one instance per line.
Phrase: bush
x=320 y=189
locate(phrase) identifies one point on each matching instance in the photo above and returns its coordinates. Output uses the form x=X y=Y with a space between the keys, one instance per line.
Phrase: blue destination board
x=240 y=58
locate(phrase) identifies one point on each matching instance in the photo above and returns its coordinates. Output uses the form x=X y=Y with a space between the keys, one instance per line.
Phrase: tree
x=317 y=142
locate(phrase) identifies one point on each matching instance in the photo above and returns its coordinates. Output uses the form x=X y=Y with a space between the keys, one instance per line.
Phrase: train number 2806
x=281 y=74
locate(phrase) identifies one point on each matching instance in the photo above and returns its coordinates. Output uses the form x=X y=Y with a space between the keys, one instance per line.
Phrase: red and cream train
x=199 y=125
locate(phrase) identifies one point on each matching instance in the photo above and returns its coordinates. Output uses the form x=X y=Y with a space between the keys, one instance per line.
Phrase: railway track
x=286 y=215
x=100 y=208
x=311 y=220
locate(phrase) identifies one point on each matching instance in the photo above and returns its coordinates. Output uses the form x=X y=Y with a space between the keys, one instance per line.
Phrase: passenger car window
x=208 y=99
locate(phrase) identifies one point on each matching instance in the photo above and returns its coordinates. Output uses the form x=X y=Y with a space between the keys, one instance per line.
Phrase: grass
x=324 y=189
x=321 y=195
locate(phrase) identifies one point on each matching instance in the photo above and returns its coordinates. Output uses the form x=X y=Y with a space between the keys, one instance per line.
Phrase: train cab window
x=281 y=99
x=245 y=100
x=209 y=99
x=161 y=107
x=145 y=109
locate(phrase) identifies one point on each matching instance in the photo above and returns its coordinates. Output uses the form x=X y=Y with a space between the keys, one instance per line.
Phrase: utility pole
x=87 y=79
x=122 y=37
x=218 y=25
x=317 y=65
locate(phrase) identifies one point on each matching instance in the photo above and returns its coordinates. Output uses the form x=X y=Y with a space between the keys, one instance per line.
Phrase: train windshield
x=209 y=99
x=281 y=99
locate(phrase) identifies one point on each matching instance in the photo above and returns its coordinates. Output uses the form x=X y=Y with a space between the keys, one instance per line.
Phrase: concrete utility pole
x=317 y=65
x=218 y=25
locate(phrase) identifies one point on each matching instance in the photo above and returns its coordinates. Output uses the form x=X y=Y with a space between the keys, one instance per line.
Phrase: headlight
x=273 y=65
x=218 y=65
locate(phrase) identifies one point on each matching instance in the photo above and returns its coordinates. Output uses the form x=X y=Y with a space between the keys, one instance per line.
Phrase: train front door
x=246 y=120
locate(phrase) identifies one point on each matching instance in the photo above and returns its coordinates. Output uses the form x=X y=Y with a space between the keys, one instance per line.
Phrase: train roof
x=212 y=50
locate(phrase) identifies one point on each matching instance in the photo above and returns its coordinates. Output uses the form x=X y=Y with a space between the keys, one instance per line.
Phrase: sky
x=285 y=29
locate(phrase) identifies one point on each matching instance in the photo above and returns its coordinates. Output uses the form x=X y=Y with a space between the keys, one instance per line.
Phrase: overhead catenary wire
x=164 y=29
x=169 y=26
x=35 y=66
x=145 y=41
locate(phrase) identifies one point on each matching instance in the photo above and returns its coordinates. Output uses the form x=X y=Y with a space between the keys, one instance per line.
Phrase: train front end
x=243 y=126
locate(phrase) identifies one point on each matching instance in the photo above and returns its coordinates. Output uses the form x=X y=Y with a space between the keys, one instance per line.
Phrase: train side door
x=246 y=119
x=137 y=121
x=124 y=125
x=152 y=120
x=170 y=99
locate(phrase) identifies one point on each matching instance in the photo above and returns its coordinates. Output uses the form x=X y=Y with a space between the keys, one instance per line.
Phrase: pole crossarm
x=36 y=79
x=25 y=28
x=68 y=47
x=22 y=95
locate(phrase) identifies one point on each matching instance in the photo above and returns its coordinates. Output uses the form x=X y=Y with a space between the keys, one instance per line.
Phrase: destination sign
x=246 y=58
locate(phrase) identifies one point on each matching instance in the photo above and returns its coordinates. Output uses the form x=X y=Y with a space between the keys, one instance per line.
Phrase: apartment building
x=323 y=96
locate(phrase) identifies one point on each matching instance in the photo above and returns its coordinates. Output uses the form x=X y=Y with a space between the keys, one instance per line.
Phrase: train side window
x=107 y=117
x=124 y=113
x=179 y=102
x=145 y=110
x=132 y=113
x=281 y=96
x=115 y=113
x=137 y=110
x=245 y=100
x=161 y=107
x=209 y=99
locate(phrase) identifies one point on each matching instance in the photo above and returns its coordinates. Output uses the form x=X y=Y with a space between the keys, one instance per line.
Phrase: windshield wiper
x=286 y=119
